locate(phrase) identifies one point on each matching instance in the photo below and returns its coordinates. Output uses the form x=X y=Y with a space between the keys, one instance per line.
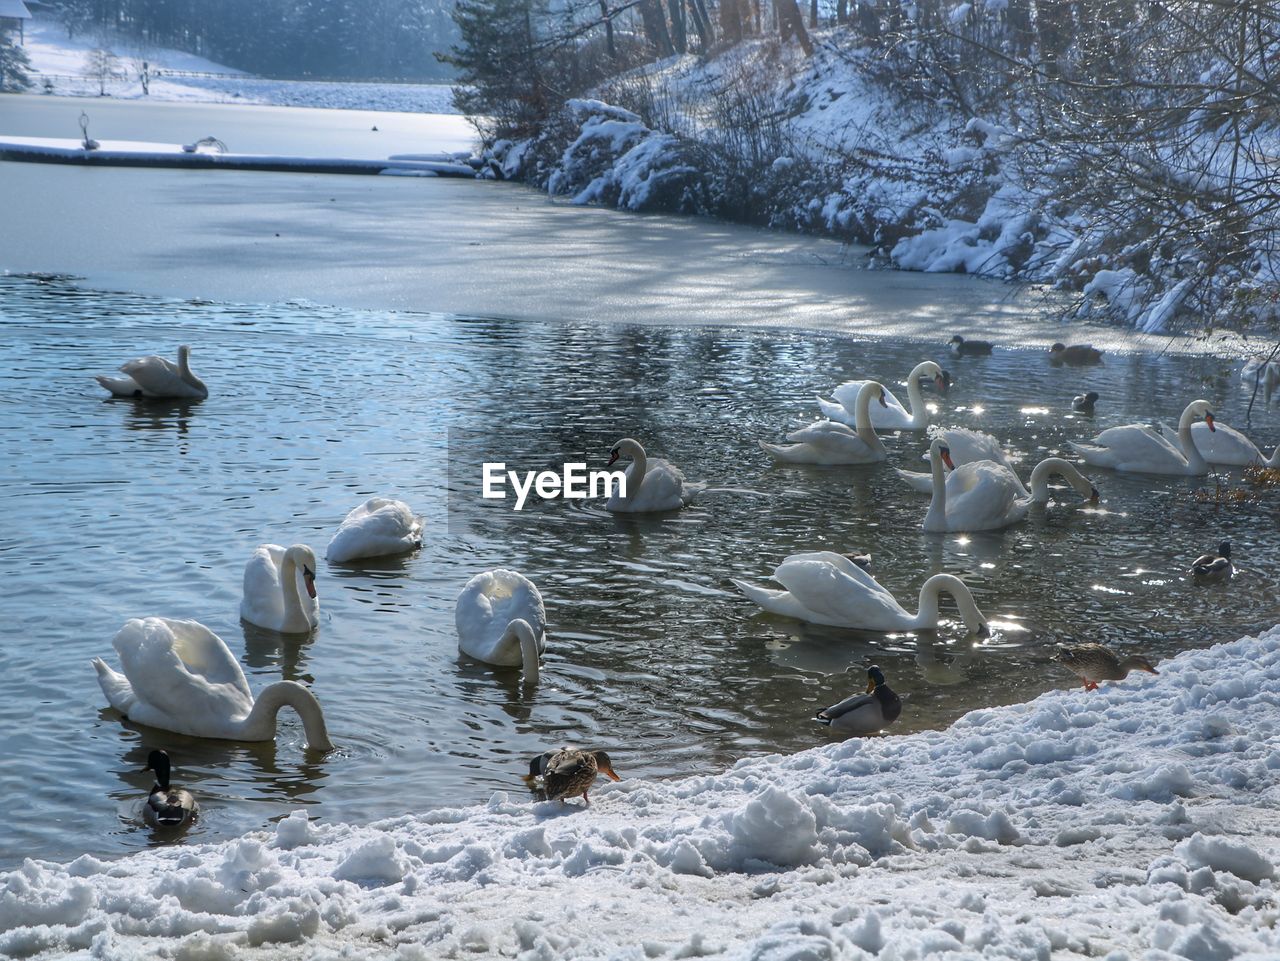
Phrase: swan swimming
x=891 y=415
x=501 y=620
x=1139 y=449
x=653 y=484
x=180 y=676
x=824 y=587
x=378 y=527
x=156 y=377
x=829 y=442
x=986 y=496
x=272 y=596
x=1224 y=446
x=966 y=446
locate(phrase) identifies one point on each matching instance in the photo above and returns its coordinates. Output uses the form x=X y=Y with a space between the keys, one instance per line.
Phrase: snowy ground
x=1135 y=822
x=61 y=60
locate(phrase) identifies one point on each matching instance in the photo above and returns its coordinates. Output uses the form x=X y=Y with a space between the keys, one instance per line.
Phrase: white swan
x=272 y=595
x=893 y=416
x=827 y=588
x=986 y=496
x=828 y=442
x=377 y=527
x=1224 y=445
x=966 y=446
x=1140 y=449
x=1261 y=373
x=653 y=484
x=179 y=676
x=500 y=620
x=154 y=376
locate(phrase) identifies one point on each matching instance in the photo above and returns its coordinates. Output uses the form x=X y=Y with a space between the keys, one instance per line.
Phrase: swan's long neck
x=260 y=724
x=294 y=611
x=915 y=399
x=929 y=594
x=635 y=474
x=529 y=653
x=936 y=517
x=1195 y=463
x=1056 y=466
x=862 y=416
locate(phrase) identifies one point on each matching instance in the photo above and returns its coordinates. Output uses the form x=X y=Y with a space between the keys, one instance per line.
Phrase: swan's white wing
x=158 y=377
x=661 y=489
x=120 y=386
x=182 y=673
x=824 y=432
x=968 y=446
x=378 y=527
x=1223 y=445
x=983 y=496
x=839 y=592
x=834 y=410
x=892 y=417
x=918 y=481
x=263 y=600
x=489 y=602
x=1136 y=447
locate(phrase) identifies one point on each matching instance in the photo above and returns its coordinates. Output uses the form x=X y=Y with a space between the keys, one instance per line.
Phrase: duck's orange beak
x=608 y=772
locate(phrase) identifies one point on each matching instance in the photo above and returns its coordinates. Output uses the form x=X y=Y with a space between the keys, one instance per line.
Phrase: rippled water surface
x=114 y=509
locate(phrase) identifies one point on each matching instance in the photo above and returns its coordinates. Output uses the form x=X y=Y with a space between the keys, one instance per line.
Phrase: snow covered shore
x=1138 y=821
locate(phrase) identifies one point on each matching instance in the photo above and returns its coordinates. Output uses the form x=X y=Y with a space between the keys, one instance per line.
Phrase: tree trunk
x=791 y=23
x=680 y=33
x=813 y=14
x=702 y=23
x=608 y=30
x=731 y=26
x=655 y=27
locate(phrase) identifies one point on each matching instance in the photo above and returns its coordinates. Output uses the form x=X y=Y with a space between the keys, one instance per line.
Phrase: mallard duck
x=1094 y=662
x=1213 y=568
x=862 y=560
x=1083 y=403
x=1075 y=355
x=569 y=772
x=167 y=806
x=864 y=713
x=969 y=348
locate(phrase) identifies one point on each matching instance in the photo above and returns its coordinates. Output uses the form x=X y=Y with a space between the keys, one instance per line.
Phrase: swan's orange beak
x=613 y=456
x=946 y=459
x=1208 y=419
x=309 y=579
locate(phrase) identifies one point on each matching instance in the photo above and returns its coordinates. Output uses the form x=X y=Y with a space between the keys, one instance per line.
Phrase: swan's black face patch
x=613 y=456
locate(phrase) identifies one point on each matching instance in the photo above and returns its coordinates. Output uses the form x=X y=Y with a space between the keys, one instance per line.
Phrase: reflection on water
x=115 y=509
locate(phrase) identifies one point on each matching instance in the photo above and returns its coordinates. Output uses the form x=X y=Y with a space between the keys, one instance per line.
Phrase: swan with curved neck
x=893 y=416
x=274 y=582
x=652 y=484
x=965 y=446
x=984 y=495
x=1225 y=446
x=155 y=377
x=501 y=620
x=827 y=588
x=829 y=442
x=180 y=676
x=1137 y=448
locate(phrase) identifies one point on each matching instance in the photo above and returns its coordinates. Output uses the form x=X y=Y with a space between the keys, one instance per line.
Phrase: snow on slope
x=1138 y=821
x=61 y=60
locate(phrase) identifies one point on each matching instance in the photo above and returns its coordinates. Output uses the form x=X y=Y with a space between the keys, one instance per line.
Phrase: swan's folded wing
x=493 y=599
x=834 y=410
x=968 y=446
x=157 y=376
x=262 y=601
x=377 y=527
x=662 y=487
x=825 y=433
x=182 y=669
x=832 y=586
x=981 y=495
x=847 y=393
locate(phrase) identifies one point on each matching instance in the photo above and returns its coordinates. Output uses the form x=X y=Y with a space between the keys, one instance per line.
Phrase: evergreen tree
x=13 y=65
x=501 y=63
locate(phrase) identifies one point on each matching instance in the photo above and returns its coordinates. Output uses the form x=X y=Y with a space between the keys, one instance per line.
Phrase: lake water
x=116 y=509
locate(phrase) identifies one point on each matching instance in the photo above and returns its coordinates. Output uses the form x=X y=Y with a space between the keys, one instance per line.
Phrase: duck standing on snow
x=1084 y=403
x=864 y=713
x=154 y=377
x=1094 y=662
x=1077 y=355
x=1213 y=568
x=570 y=772
x=167 y=806
x=969 y=348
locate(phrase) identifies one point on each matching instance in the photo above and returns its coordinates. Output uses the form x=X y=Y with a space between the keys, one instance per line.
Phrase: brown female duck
x=1093 y=663
x=570 y=772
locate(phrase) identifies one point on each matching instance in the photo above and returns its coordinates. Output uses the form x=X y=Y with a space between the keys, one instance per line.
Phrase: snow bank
x=1137 y=821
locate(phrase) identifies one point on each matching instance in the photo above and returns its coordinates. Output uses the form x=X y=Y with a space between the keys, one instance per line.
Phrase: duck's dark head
x=1091 y=397
x=158 y=761
x=1224 y=550
x=875 y=678
x=604 y=765
x=957 y=339
x=1056 y=348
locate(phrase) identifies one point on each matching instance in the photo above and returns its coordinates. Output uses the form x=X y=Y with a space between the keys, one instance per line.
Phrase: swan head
x=942 y=382
x=938 y=448
x=1200 y=408
x=625 y=448
x=305 y=558
x=158 y=761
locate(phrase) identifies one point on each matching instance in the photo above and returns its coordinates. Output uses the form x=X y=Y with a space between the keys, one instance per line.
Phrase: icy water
x=114 y=509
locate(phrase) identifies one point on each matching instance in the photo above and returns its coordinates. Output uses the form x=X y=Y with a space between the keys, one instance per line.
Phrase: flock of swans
x=179 y=676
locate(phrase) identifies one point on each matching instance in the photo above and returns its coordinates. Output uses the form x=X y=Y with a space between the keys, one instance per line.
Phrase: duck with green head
x=866 y=713
x=167 y=806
